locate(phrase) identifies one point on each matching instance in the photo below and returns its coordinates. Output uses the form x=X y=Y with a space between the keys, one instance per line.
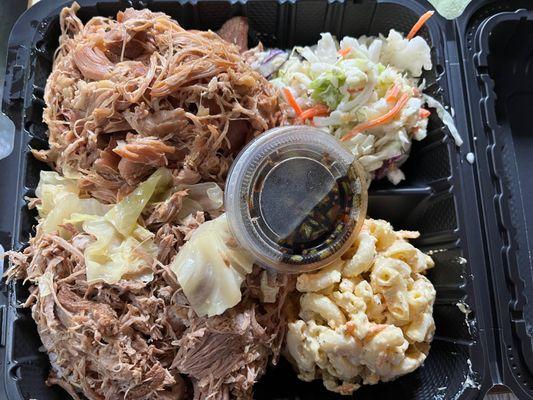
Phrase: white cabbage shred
x=359 y=82
x=446 y=118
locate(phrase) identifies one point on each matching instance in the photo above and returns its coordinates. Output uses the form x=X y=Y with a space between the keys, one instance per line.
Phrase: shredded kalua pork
x=127 y=96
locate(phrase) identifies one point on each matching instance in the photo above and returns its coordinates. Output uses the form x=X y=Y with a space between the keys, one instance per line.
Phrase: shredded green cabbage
x=450 y=9
x=325 y=88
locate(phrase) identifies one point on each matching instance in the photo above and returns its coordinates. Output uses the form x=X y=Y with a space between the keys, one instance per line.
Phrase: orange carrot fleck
x=392 y=94
x=423 y=113
x=344 y=52
x=379 y=120
x=419 y=24
x=319 y=110
x=292 y=101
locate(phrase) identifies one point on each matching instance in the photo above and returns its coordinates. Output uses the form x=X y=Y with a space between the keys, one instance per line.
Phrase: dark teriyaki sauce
x=304 y=206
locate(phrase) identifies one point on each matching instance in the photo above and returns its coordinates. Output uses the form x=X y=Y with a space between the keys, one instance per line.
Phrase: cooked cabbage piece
x=59 y=199
x=113 y=257
x=211 y=267
x=123 y=216
x=205 y=196
x=123 y=249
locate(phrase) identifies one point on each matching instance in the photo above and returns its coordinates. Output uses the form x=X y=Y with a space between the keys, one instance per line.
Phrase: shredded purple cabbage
x=396 y=161
x=273 y=53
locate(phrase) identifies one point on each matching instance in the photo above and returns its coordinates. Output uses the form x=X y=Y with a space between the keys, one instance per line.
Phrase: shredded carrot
x=419 y=24
x=387 y=117
x=423 y=113
x=344 y=52
x=292 y=101
x=319 y=110
x=392 y=94
x=353 y=91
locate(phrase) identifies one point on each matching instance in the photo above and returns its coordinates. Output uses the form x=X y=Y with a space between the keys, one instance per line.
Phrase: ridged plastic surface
x=438 y=198
x=498 y=48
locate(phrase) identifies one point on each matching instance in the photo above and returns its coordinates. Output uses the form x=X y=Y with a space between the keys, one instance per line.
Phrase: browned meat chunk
x=235 y=31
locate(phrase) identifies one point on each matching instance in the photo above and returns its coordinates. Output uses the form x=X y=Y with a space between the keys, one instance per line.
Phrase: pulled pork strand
x=224 y=355
x=143 y=81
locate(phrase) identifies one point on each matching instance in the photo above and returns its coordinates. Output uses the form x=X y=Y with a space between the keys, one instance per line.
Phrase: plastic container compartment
x=497 y=40
x=436 y=199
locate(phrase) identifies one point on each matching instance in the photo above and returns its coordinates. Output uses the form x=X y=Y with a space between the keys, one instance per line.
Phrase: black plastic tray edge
x=489 y=107
x=485 y=368
x=482 y=106
x=513 y=372
x=478 y=290
x=476 y=286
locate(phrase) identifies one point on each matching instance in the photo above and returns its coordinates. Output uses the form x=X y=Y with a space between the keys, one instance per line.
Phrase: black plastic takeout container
x=473 y=218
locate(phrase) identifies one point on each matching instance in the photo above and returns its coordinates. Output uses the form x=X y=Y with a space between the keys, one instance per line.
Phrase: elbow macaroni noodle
x=366 y=318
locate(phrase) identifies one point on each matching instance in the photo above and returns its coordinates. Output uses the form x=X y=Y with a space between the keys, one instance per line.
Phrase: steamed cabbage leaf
x=206 y=196
x=122 y=249
x=113 y=257
x=124 y=215
x=59 y=199
x=50 y=184
x=211 y=267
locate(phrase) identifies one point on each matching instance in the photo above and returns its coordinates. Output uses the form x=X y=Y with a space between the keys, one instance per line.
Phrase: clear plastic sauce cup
x=295 y=198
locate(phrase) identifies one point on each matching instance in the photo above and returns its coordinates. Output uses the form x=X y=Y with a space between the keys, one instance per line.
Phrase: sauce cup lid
x=295 y=198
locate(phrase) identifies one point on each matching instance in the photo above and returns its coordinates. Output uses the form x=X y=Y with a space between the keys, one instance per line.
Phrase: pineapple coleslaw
x=365 y=92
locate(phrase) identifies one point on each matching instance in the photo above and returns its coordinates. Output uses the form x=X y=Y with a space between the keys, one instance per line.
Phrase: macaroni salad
x=367 y=317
